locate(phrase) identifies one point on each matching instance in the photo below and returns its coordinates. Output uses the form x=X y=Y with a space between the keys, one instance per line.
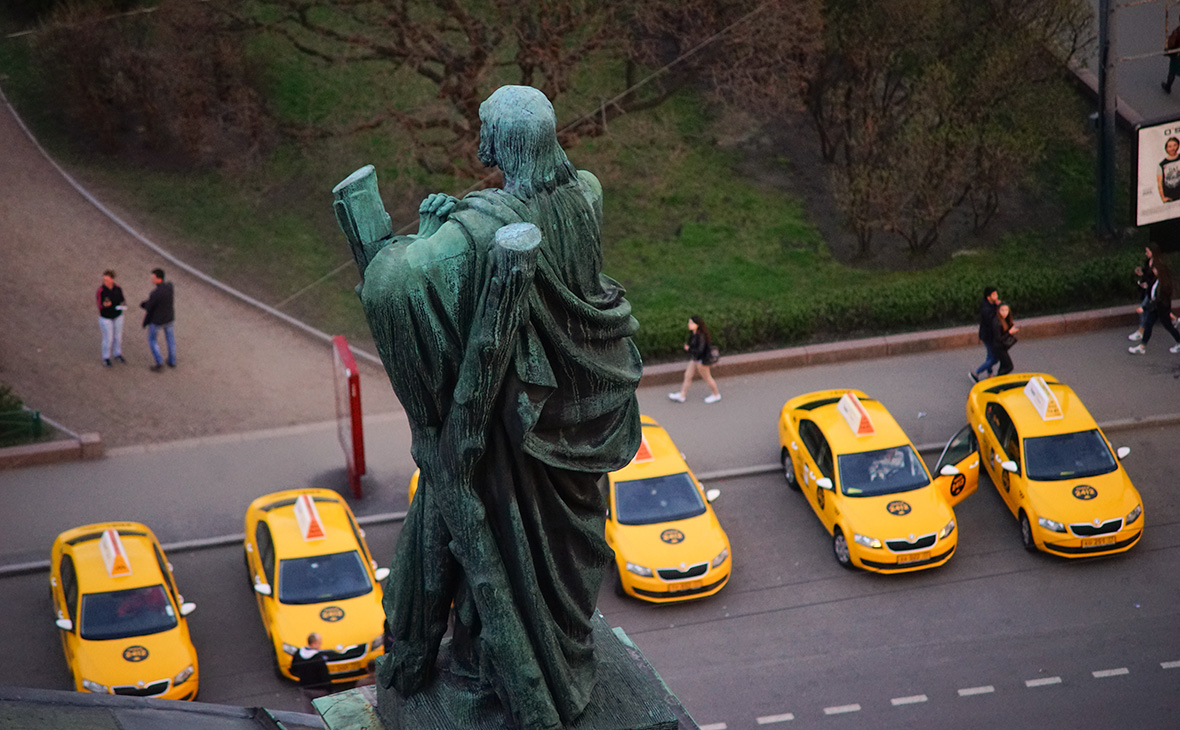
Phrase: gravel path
x=240 y=369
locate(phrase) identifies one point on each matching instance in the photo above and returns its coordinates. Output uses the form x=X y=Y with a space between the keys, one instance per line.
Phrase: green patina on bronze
x=512 y=355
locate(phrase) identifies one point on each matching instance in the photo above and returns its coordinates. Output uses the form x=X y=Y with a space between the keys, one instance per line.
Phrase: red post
x=350 y=428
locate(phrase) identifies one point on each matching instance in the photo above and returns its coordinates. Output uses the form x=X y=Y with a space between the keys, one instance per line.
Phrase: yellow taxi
x=865 y=481
x=1053 y=466
x=668 y=543
x=312 y=572
x=120 y=615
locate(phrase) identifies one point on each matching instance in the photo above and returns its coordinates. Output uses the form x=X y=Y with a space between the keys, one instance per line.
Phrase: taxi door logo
x=819 y=497
x=672 y=537
x=898 y=507
x=1085 y=492
x=332 y=614
x=135 y=653
x=957 y=484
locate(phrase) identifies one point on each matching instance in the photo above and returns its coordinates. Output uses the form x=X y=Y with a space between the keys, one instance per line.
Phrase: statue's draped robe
x=564 y=414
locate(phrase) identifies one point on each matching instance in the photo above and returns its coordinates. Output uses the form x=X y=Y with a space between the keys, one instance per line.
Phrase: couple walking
x=1155 y=280
x=997 y=332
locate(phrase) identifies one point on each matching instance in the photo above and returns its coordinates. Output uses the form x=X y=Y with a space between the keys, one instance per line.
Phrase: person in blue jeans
x=160 y=315
x=987 y=314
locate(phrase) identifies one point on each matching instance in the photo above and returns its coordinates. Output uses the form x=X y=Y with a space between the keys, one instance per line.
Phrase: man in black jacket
x=987 y=314
x=160 y=315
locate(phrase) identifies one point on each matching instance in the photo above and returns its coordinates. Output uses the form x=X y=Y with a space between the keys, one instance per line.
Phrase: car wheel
x=618 y=581
x=840 y=549
x=1026 y=534
x=789 y=470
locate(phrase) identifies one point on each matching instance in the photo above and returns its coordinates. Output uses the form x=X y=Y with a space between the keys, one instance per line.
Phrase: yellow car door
x=1004 y=459
x=818 y=482
x=956 y=474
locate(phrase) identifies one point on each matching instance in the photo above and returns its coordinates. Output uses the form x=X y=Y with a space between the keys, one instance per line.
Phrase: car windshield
x=323 y=578
x=884 y=471
x=119 y=614
x=657 y=499
x=1068 y=456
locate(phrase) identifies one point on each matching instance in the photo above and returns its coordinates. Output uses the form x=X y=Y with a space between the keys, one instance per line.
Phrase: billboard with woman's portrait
x=1157 y=172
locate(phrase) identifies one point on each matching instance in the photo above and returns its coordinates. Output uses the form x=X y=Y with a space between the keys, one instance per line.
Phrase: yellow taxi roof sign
x=1038 y=393
x=308 y=517
x=644 y=453
x=114 y=557
x=855 y=414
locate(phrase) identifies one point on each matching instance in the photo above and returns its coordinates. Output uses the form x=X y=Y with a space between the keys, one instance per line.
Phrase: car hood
x=897 y=516
x=149 y=658
x=1102 y=497
x=665 y=544
x=341 y=623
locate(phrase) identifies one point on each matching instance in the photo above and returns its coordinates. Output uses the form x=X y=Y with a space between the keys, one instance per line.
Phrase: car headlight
x=721 y=557
x=638 y=569
x=377 y=643
x=95 y=687
x=183 y=676
x=1052 y=525
x=870 y=542
x=945 y=531
x=1133 y=515
x=290 y=649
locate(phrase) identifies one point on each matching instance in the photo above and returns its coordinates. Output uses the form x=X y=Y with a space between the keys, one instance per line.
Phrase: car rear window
x=1068 y=456
x=323 y=578
x=884 y=471
x=131 y=612
x=657 y=499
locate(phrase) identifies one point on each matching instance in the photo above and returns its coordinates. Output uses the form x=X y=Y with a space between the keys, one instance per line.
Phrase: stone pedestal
x=629 y=695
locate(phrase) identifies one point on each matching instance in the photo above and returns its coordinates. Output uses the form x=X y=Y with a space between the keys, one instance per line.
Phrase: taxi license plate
x=347 y=667
x=913 y=557
x=1096 y=541
x=691 y=585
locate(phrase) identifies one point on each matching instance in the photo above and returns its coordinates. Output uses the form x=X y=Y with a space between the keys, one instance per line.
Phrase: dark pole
x=1107 y=118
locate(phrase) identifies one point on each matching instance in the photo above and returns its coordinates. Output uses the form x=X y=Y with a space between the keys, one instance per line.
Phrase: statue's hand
x=433 y=212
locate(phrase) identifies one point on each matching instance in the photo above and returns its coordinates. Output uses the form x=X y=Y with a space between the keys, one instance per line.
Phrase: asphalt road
x=996 y=638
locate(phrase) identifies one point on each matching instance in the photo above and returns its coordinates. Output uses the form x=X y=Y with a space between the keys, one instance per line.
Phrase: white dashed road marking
x=968 y=691
x=911 y=700
x=1042 y=682
x=771 y=719
x=1169 y=665
x=715 y=726
x=841 y=709
x=1099 y=674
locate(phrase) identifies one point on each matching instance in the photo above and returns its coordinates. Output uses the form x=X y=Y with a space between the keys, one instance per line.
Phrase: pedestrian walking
x=1172 y=47
x=1144 y=279
x=702 y=355
x=1158 y=309
x=160 y=315
x=111 y=305
x=987 y=315
x=1003 y=337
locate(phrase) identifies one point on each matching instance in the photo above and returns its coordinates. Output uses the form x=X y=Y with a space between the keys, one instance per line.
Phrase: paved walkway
x=240 y=369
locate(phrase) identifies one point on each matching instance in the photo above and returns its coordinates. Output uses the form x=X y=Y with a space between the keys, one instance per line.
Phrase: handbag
x=712 y=355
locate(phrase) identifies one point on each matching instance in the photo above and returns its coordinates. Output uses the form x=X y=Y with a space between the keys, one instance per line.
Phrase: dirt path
x=239 y=368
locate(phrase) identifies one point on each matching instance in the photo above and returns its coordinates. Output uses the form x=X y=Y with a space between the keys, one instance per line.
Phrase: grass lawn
x=684 y=232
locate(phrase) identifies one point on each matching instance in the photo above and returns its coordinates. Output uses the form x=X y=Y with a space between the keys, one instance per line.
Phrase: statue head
x=519 y=135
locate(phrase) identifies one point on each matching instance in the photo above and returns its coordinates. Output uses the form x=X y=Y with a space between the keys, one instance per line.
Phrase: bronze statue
x=514 y=361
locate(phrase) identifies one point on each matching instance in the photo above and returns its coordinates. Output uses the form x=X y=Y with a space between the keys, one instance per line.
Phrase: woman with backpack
x=702 y=355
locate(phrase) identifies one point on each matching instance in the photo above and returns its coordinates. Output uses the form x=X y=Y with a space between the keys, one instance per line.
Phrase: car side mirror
x=65 y=624
x=712 y=494
x=1010 y=466
x=949 y=470
x=381 y=574
x=263 y=588
x=823 y=483
x=1123 y=452
x=187 y=608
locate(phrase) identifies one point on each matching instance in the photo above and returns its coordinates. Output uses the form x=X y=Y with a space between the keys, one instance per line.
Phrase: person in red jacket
x=111 y=305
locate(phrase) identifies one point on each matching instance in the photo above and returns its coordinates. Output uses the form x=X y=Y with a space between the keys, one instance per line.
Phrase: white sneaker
x=676 y=397
x=1135 y=336
x=715 y=398
x=1174 y=349
x=1137 y=350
